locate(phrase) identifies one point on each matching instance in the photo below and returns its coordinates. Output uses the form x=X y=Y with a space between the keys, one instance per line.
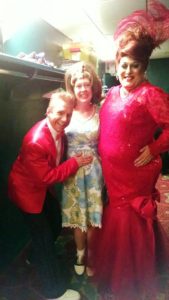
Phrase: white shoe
x=79 y=265
x=68 y=295
x=79 y=269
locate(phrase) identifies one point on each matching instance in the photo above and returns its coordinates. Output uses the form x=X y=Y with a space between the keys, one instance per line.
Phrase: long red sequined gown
x=125 y=251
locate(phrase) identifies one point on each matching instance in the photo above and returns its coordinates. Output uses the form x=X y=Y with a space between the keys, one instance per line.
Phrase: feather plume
x=152 y=24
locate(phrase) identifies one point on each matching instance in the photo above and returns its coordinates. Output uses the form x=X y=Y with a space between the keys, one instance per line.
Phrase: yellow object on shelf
x=79 y=51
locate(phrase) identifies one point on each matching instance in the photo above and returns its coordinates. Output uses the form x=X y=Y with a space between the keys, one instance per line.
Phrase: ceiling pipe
x=146 y=5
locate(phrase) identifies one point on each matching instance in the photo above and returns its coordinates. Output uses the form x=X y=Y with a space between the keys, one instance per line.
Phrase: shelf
x=13 y=66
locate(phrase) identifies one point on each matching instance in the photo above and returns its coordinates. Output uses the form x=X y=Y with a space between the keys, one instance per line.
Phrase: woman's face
x=130 y=73
x=83 y=90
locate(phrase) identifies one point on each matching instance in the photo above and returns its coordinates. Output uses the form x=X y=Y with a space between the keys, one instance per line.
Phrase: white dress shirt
x=56 y=140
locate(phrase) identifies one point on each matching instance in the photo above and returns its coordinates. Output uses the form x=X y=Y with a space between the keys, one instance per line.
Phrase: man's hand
x=144 y=158
x=83 y=160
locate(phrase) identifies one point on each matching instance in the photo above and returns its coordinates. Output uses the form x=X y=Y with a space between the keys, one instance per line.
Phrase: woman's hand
x=144 y=158
x=83 y=160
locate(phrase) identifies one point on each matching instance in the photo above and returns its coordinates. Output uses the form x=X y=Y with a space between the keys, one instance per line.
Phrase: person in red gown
x=131 y=245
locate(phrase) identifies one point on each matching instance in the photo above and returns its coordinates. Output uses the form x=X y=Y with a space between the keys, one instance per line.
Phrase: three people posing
x=126 y=258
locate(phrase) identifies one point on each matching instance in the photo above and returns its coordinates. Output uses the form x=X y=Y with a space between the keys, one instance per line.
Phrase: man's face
x=130 y=72
x=59 y=115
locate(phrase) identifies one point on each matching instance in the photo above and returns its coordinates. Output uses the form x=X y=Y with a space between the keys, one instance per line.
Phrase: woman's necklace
x=83 y=116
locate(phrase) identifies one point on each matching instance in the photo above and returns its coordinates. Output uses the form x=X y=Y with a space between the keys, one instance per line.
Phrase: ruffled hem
x=73 y=226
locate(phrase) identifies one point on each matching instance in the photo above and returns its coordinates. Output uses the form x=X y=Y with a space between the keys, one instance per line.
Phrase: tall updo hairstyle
x=82 y=70
x=140 y=33
x=136 y=46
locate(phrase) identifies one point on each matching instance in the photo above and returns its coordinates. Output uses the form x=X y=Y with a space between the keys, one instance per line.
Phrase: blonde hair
x=62 y=95
x=83 y=70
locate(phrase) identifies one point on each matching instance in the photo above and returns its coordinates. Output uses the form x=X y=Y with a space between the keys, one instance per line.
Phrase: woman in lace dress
x=82 y=194
x=126 y=250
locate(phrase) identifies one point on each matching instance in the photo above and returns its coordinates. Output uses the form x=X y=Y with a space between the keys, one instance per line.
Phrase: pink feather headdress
x=144 y=30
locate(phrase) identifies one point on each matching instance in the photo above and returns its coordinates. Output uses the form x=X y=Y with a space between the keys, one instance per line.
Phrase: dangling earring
x=117 y=77
x=145 y=75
